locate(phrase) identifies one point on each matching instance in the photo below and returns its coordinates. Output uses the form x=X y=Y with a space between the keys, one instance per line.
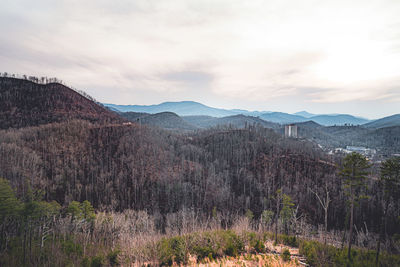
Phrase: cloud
x=189 y=78
x=246 y=52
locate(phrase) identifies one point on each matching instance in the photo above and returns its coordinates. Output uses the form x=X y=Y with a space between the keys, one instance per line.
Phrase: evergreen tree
x=87 y=211
x=390 y=184
x=9 y=204
x=75 y=210
x=354 y=171
x=286 y=212
x=9 y=207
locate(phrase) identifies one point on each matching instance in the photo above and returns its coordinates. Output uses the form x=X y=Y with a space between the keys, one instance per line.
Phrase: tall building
x=291 y=130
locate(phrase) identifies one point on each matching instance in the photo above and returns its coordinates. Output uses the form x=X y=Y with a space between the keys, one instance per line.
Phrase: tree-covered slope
x=26 y=103
x=389 y=121
x=165 y=120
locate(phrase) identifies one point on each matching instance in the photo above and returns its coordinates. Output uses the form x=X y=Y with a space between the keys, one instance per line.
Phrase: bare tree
x=324 y=203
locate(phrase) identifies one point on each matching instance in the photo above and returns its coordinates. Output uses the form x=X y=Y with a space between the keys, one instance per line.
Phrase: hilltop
x=236 y=121
x=389 y=121
x=26 y=103
x=183 y=108
x=165 y=120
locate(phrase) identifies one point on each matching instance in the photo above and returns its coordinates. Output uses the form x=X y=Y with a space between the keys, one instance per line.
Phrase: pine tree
x=9 y=204
x=87 y=211
x=390 y=184
x=287 y=211
x=354 y=174
x=9 y=207
x=75 y=210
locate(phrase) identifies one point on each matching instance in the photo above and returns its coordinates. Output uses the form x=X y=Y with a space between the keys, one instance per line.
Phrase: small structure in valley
x=368 y=152
x=291 y=130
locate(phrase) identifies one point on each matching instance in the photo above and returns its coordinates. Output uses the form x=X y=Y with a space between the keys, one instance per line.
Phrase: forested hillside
x=119 y=167
x=165 y=120
x=389 y=121
x=386 y=140
x=28 y=103
x=129 y=166
x=236 y=121
x=75 y=150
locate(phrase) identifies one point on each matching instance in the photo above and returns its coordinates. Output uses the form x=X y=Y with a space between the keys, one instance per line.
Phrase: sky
x=276 y=55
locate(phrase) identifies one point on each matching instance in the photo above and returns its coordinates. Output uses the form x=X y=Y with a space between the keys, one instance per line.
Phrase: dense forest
x=384 y=140
x=64 y=156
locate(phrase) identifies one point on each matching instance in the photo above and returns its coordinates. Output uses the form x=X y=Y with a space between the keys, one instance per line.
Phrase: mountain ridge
x=237 y=121
x=192 y=108
x=389 y=121
x=165 y=120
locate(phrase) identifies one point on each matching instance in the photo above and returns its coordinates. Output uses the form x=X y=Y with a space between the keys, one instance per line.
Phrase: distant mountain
x=169 y=120
x=237 y=121
x=309 y=124
x=166 y=120
x=113 y=109
x=201 y=121
x=184 y=108
x=385 y=140
x=304 y=114
x=389 y=121
x=190 y=108
x=249 y=113
x=282 y=118
x=316 y=132
x=25 y=103
x=340 y=119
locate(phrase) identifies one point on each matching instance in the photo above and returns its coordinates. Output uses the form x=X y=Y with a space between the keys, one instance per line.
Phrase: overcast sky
x=320 y=56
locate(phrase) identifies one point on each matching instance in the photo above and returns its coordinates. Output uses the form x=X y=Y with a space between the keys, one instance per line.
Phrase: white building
x=362 y=150
x=291 y=130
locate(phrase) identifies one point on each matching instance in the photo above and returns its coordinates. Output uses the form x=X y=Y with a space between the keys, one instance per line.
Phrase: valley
x=381 y=135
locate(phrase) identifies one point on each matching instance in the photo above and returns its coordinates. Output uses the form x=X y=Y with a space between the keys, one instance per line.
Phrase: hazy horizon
x=249 y=110
x=288 y=56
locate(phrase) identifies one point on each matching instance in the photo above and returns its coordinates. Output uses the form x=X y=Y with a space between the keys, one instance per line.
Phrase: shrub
x=249 y=215
x=286 y=255
x=204 y=245
x=307 y=248
x=267 y=217
x=85 y=262
x=234 y=245
x=255 y=242
x=289 y=240
x=172 y=250
x=113 y=257
x=204 y=251
x=210 y=257
x=231 y=250
x=98 y=261
x=251 y=237
x=268 y=236
x=318 y=254
x=259 y=246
